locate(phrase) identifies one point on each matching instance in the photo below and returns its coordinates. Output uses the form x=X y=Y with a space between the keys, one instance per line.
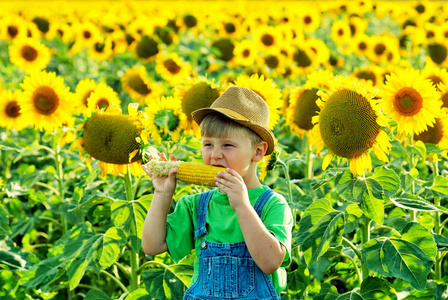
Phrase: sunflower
x=85 y=35
x=340 y=32
x=46 y=102
x=443 y=88
x=272 y=64
x=196 y=93
x=361 y=45
x=349 y=125
x=436 y=74
x=119 y=42
x=268 y=38
x=61 y=30
x=137 y=84
x=360 y=7
x=268 y=163
x=10 y=115
x=412 y=101
x=102 y=97
x=14 y=26
x=437 y=53
x=101 y=49
x=146 y=48
x=372 y=75
x=267 y=90
x=436 y=134
x=172 y=68
x=115 y=139
x=319 y=79
x=165 y=120
x=225 y=47
x=309 y=19
x=245 y=53
x=84 y=89
x=321 y=53
x=357 y=25
x=29 y=54
x=384 y=48
x=302 y=107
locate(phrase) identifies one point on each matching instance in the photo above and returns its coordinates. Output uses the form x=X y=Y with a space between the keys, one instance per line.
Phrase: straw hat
x=245 y=107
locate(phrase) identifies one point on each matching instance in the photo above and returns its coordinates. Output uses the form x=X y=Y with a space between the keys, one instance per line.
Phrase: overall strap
x=204 y=199
x=262 y=200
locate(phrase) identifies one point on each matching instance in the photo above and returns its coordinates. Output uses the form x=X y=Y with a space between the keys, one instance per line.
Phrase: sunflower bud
x=111 y=138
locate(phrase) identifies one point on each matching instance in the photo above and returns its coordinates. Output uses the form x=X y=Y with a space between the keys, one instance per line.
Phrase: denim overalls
x=226 y=270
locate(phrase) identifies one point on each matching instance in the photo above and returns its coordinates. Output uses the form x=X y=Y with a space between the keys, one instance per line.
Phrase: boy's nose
x=216 y=154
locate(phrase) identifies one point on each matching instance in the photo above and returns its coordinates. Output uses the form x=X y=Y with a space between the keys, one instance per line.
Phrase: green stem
x=133 y=256
x=148 y=263
x=116 y=280
x=309 y=163
x=60 y=178
x=413 y=216
x=350 y=244
x=288 y=184
x=437 y=230
x=365 y=237
x=358 y=272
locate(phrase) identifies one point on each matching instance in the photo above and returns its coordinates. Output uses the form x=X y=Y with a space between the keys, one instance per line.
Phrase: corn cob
x=187 y=172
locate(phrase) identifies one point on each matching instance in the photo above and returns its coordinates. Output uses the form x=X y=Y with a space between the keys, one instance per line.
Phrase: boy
x=241 y=232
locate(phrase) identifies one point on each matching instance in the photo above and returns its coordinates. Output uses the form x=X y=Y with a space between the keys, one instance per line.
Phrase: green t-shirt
x=223 y=227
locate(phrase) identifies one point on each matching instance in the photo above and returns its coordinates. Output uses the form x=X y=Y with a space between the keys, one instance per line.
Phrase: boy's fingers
x=173 y=158
x=163 y=157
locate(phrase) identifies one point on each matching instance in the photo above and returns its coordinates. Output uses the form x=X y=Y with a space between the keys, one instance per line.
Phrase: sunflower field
x=358 y=99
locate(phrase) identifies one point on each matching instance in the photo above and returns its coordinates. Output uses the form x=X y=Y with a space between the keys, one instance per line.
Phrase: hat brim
x=266 y=134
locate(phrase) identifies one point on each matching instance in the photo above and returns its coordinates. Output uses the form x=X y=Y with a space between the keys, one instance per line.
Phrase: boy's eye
x=228 y=145
x=207 y=145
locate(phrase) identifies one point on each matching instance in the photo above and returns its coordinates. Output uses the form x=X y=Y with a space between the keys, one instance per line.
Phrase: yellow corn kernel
x=198 y=173
x=187 y=172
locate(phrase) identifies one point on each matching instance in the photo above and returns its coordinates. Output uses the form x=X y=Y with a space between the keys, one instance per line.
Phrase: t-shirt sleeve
x=180 y=229
x=277 y=218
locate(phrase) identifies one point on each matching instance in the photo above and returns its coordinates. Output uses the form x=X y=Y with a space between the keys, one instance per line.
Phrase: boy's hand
x=232 y=184
x=163 y=184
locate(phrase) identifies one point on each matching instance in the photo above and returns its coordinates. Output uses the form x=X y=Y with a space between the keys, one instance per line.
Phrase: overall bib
x=226 y=270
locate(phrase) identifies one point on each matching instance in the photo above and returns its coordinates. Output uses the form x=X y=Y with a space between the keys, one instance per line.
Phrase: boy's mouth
x=217 y=165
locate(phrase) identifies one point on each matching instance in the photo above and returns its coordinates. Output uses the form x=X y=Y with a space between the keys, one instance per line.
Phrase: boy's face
x=235 y=153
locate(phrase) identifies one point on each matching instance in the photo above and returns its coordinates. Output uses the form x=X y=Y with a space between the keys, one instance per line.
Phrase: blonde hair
x=218 y=125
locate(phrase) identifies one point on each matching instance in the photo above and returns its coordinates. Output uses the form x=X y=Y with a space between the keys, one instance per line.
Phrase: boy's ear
x=260 y=151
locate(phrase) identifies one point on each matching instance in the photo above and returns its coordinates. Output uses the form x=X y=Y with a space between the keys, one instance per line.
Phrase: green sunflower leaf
x=410 y=257
x=327 y=292
x=168 y=283
x=138 y=294
x=130 y=216
x=4 y=223
x=414 y=202
x=440 y=185
x=96 y=295
x=320 y=228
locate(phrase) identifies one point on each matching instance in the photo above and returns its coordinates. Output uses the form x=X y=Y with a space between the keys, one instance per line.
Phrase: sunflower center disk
x=408 y=101
x=433 y=135
x=437 y=53
x=29 y=53
x=267 y=39
x=137 y=84
x=171 y=66
x=348 y=124
x=198 y=96
x=12 y=109
x=46 y=101
x=110 y=138
x=306 y=108
x=86 y=97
